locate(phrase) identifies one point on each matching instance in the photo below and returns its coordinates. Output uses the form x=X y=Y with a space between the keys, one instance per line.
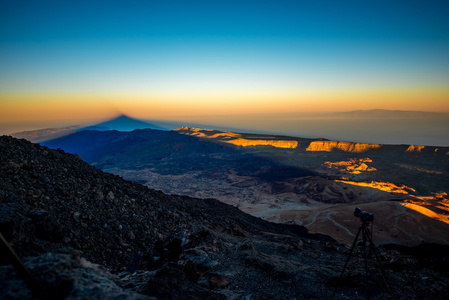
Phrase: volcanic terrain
x=311 y=182
x=86 y=234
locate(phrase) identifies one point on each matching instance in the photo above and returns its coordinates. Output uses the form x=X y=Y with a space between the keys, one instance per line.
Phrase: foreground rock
x=64 y=275
x=84 y=233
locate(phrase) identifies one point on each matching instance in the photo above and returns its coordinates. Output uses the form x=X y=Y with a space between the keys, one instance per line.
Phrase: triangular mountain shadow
x=122 y=123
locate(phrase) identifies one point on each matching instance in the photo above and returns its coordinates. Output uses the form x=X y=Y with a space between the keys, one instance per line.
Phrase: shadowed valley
x=315 y=183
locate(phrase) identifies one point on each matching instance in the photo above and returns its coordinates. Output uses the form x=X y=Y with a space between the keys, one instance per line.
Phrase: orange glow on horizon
x=26 y=109
x=180 y=104
x=17 y=107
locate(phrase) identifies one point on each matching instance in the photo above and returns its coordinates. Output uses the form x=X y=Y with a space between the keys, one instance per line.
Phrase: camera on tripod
x=365 y=216
x=367 y=238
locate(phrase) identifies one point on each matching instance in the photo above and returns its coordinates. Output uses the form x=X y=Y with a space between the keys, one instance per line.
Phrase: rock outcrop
x=415 y=148
x=238 y=139
x=273 y=143
x=329 y=146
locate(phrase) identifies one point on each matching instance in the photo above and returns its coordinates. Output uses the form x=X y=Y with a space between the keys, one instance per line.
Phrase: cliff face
x=329 y=146
x=207 y=133
x=247 y=139
x=244 y=140
x=415 y=148
x=273 y=143
x=168 y=246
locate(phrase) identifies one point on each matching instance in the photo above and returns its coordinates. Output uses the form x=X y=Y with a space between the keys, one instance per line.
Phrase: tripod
x=366 y=238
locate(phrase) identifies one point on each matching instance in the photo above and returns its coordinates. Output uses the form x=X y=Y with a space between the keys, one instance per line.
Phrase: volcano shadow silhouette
x=122 y=123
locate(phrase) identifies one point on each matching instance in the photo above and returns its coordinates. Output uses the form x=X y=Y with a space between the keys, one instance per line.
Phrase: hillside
x=315 y=183
x=197 y=248
x=192 y=247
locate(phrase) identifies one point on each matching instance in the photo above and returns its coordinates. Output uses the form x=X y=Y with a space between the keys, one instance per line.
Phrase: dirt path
x=314 y=218
x=328 y=216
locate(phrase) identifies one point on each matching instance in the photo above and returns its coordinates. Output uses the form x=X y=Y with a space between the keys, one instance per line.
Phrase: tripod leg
x=347 y=259
x=365 y=235
x=350 y=252
x=35 y=287
x=373 y=249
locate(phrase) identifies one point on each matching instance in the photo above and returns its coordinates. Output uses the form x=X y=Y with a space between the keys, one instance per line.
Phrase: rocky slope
x=317 y=183
x=83 y=233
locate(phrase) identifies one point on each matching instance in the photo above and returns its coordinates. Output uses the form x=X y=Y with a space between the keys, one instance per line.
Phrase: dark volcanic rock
x=64 y=275
x=15 y=226
x=172 y=282
x=169 y=247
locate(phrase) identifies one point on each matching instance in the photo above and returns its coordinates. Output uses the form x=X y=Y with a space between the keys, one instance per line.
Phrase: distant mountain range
x=389 y=113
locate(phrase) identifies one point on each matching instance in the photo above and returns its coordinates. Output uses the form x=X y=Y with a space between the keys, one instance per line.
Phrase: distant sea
x=423 y=131
x=429 y=129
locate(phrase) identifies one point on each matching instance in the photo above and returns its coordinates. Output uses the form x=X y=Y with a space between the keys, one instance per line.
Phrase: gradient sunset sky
x=74 y=61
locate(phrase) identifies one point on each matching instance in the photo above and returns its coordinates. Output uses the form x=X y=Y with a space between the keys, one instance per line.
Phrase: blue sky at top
x=157 y=47
x=43 y=21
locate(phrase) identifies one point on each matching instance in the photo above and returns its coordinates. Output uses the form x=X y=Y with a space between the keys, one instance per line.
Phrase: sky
x=73 y=61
